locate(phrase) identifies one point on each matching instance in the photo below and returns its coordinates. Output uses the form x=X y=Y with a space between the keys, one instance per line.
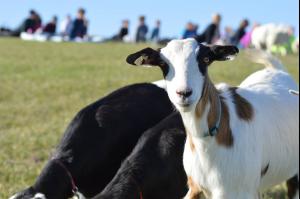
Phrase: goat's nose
x=184 y=93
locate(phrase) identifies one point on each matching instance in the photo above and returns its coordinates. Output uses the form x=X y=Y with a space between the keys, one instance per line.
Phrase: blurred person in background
x=79 y=26
x=30 y=25
x=227 y=35
x=190 y=31
x=142 y=30
x=66 y=26
x=37 y=23
x=50 y=28
x=240 y=32
x=245 y=41
x=124 y=31
x=156 y=32
x=85 y=28
x=212 y=33
x=4 y=31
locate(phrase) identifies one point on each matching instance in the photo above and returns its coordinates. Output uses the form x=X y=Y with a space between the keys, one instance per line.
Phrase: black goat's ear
x=223 y=53
x=145 y=57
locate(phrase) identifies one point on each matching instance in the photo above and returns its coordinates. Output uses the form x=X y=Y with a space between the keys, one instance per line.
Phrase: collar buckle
x=214 y=130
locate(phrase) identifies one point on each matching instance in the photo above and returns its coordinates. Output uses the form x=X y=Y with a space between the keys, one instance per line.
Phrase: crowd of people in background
x=212 y=33
x=70 y=29
x=77 y=30
x=141 y=33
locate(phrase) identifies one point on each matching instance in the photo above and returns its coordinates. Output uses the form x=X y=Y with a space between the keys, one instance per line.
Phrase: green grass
x=42 y=86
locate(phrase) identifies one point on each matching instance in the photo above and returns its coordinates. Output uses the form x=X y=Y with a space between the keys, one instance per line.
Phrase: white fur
x=161 y=84
x=39 y=196
x=272 y=137
x=297 y=195
x=42 y=196
x=294 y=92
x=81 y=196
x=14 y=196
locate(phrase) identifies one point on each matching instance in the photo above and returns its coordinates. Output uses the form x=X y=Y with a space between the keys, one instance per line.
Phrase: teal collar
x=215 y=129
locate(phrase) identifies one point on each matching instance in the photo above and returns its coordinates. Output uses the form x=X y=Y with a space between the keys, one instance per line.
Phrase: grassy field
x=42 y=86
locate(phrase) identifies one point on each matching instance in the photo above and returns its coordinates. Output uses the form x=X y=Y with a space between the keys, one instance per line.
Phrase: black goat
x=154 y=170
x=98 y=139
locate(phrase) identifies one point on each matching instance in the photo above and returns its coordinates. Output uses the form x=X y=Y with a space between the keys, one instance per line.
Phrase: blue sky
x=105 y=16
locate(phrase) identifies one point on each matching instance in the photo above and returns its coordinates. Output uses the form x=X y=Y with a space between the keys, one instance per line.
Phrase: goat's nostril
x=189 y=93
x=184 y=93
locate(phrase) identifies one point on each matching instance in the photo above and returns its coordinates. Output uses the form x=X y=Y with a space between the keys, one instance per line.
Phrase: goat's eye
x=206 y=60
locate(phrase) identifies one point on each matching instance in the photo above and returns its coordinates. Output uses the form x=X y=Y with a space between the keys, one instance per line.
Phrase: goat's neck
x=54 y=182
x=205 y=114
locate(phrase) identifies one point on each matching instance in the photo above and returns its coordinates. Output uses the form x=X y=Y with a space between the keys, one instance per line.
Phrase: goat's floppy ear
x=147 y=56
x=223 y=53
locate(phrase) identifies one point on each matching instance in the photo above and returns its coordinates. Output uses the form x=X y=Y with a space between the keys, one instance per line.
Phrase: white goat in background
x=264 y=37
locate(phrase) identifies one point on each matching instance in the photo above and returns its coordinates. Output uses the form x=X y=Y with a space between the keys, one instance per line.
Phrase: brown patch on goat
x=210 y=96
x=208 y=89
x=191 y=142
x=243 y=108
x=293 y=187
x=194 y=191
x=225 y=137
x=264 y=171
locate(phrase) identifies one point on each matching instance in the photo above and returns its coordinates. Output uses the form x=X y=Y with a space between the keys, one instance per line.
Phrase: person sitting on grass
x=123 y=31
x=30 y=25
x=212 y=33
x=50 y=28
x=79 y=27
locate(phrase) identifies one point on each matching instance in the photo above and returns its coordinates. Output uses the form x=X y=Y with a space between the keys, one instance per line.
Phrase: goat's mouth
x=184 y=105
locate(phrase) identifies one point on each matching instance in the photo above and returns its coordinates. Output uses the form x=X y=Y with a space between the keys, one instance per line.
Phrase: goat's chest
x=198 y=168
x=209 y=167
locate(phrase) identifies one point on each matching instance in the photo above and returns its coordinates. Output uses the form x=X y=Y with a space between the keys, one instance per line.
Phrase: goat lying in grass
x=241 y=140
x=96 y=142
x=154 y=169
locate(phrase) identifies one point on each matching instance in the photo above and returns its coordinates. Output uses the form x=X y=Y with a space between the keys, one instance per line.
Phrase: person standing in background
x=212 y=33
x=142 y=30
x=156 y=32
x=240 y=32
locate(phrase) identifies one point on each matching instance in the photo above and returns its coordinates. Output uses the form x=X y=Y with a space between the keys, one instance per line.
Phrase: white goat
x=240 y=140
x=268 y=35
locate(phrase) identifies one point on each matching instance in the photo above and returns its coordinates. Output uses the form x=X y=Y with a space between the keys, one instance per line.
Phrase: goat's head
x=28 y=193
x=184 y=64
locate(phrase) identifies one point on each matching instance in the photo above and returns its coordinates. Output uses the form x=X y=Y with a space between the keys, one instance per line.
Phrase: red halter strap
x=139 y=189
x=74 y=187
x=141 y=195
